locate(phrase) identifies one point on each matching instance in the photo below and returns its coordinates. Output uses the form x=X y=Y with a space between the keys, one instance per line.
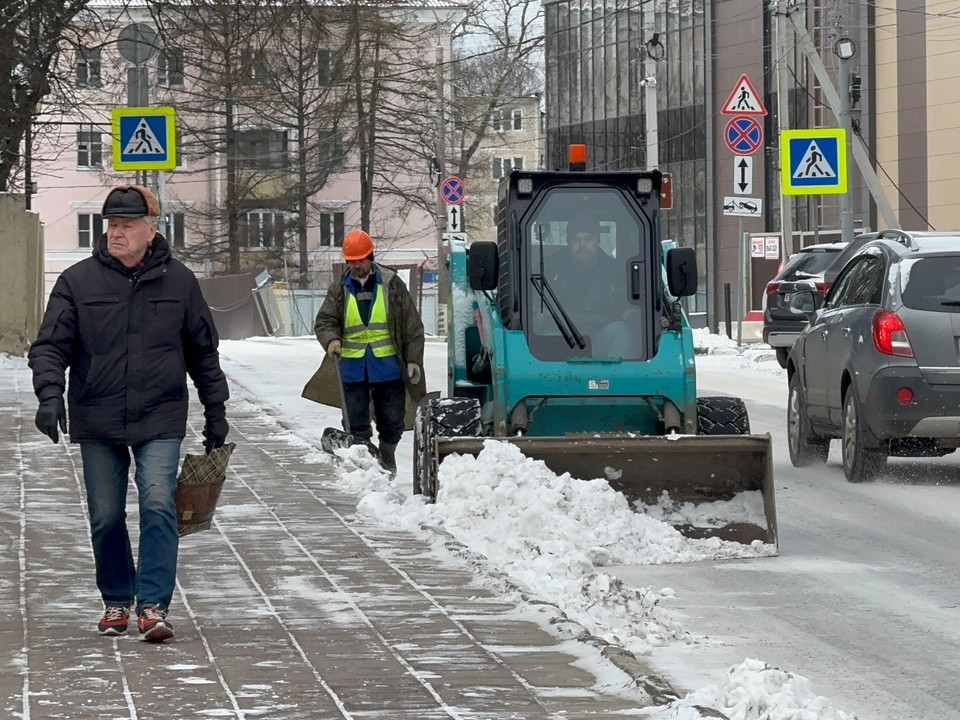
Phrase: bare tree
x=221 y=49
x=500 y=58
x=33 y=34
x=394 y=95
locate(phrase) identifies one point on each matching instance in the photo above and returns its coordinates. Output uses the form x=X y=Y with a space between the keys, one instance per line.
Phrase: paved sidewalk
x=288 y=608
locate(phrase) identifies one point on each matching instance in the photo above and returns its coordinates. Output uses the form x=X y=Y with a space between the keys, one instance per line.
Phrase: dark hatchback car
x=878 y=366
x=804 y=270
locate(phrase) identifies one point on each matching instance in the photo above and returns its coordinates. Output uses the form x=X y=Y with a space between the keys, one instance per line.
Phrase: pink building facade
x=73 y=165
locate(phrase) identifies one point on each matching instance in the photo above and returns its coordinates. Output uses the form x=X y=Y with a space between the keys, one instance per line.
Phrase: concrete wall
x=21 y=275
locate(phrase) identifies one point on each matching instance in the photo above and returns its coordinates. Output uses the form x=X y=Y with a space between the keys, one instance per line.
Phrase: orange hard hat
x=356 y=245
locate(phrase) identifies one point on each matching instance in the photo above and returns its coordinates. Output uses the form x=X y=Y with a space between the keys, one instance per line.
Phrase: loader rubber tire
x=806 y=448
x=441 y=417
x=722 y=416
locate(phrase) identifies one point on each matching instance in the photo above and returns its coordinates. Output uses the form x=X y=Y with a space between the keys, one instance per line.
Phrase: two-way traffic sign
x=743 y=175
x=144 y=138
x=454 y=218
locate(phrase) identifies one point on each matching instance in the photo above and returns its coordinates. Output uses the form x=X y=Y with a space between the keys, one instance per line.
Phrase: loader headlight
x=644 y=186
x=524 y=186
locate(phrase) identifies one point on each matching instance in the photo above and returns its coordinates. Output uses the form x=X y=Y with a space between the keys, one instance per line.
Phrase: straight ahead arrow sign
x=743 y=175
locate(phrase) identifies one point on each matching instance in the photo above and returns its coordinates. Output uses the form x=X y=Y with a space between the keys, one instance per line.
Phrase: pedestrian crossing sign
x=144 y=138
x=813 y=161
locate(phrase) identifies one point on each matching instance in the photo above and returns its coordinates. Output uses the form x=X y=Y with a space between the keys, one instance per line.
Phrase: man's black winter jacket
x=129 y=339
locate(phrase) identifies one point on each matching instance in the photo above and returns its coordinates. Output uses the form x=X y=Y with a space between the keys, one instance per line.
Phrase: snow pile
x=550 y=533
x=753 y=690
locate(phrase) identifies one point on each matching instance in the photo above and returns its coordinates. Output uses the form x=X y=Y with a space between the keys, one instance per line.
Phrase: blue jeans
x=106 y=477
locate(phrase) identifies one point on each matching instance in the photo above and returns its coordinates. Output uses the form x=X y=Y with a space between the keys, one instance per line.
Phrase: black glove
x=215 y=427
x=50 y=415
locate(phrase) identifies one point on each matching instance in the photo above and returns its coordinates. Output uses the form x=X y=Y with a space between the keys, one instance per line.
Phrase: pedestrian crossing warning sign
x=144 y=138
x=744 y=100
x=143 y=141
x=813 y=161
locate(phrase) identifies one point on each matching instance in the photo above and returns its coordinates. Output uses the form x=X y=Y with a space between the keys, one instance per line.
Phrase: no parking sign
x=452 y=190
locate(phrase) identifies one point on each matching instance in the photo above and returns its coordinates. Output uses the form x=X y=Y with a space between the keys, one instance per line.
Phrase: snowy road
x=864 y=599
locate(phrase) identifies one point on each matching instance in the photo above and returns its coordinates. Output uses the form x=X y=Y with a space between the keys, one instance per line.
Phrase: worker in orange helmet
x=369 y=321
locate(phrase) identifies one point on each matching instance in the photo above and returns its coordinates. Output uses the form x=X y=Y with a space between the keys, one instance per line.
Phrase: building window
x=89 y=229
x=330 y=150
x=503 y=166
x=262 y=229
x=173 y=229
x=254 y=66
x=331 y=229
x=170 y=69
x=88 y=67
x=493 y=215
x=496 y=120
x=328 y=67
x=518 y=119
x=89 y=147
x=261 y=149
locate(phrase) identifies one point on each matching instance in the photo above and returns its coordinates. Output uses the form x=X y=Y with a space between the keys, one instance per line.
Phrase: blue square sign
x=813 y=161
x=144 y=138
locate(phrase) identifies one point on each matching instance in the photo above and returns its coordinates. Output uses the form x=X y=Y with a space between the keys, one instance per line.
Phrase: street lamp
x=845 y=48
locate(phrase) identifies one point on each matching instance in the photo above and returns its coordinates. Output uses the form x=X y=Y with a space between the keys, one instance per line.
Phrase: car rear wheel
x=805 y=447
x=782 y=354
x=860 y=462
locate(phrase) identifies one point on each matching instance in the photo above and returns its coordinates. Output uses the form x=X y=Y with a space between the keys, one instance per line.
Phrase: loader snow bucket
x=705 y=486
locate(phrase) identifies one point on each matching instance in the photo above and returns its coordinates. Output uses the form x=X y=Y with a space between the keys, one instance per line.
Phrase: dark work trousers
x=389 y=404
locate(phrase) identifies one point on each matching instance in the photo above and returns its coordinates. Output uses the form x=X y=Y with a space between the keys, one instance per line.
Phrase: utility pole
x=28 y=163
x=443 y=272
x=843 y=116
x=784 y=49
x=653 y=50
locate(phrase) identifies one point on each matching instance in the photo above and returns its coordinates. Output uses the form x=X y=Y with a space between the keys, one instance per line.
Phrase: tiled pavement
x=287 y=608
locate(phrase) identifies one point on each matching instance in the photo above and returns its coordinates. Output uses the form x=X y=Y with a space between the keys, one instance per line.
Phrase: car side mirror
x=682 y=271
x=483 y=265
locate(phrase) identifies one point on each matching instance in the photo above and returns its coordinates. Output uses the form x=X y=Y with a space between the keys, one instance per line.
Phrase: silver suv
x=878 y=366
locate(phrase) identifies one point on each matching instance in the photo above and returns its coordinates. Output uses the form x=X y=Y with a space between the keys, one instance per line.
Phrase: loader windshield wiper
x=549 y=300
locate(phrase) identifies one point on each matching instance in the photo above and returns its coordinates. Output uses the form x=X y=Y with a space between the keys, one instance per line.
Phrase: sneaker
x=114 y=620
x=153 y=626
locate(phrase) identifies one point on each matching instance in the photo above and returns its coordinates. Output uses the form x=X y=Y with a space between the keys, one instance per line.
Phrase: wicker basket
x=198 y=488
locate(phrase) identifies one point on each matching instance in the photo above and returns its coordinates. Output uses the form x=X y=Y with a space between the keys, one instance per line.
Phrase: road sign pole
x=780 y=12
x=741 y=299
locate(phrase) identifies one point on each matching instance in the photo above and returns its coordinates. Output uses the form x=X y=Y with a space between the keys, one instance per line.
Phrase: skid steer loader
x=605 y=388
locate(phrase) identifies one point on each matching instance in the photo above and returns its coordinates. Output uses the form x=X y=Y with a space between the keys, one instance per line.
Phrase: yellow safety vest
x=357 y=337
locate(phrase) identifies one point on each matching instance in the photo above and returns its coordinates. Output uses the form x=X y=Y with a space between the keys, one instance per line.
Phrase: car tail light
x=772 y=287
x=822 y=287
x=889 y=334
x=904 y=396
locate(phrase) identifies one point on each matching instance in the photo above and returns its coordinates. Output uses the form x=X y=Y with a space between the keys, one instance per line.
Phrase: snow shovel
x=335 y=439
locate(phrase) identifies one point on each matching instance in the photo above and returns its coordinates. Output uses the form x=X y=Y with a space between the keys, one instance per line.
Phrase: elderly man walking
x=130 y=323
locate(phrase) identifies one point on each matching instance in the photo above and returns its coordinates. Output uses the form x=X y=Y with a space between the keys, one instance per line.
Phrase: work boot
x=388 y=457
